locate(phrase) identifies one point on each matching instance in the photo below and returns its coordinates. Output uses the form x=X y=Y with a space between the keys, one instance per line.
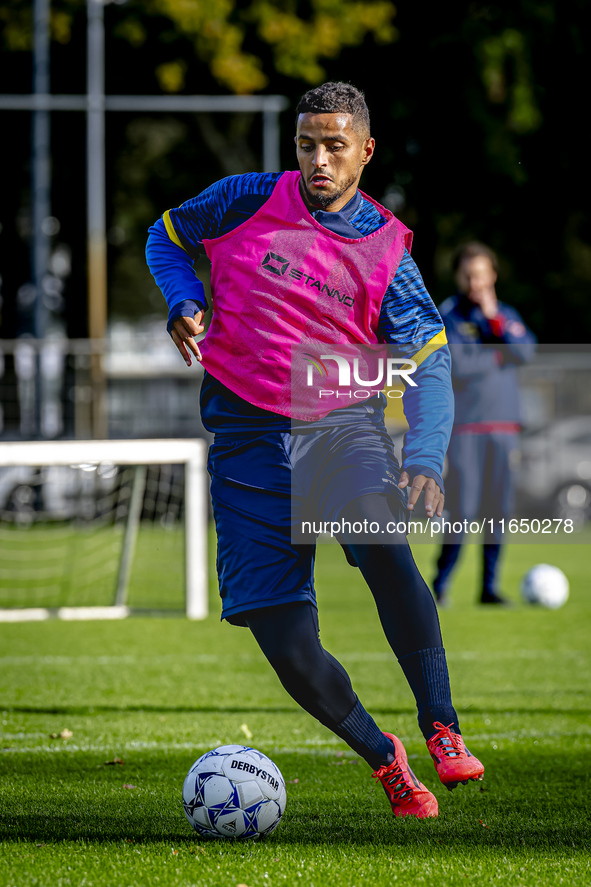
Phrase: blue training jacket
x=485 y=357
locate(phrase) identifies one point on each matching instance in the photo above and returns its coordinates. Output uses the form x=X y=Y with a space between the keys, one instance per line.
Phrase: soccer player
x=487 y=413
x=256 y=229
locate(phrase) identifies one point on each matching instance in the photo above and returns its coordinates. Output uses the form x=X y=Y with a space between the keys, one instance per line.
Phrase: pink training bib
x=285 y=288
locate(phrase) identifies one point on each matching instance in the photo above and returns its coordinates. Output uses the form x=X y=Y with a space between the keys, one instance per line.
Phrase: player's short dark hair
x=336 y=97
x=471 y=250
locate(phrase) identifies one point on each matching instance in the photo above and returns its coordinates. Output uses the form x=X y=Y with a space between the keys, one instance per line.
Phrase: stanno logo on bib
x=279 y=265
x=279 y=268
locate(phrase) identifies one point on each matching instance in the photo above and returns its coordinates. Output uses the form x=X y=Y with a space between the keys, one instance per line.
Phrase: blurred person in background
x=487 y=412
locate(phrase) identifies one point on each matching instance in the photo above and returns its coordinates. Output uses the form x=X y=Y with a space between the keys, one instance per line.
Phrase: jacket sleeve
x=429 y=411
x=172 y=269
x=410 y=322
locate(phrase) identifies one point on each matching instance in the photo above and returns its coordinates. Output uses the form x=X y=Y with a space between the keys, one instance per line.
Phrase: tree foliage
x=477 y=108
x=301 y=35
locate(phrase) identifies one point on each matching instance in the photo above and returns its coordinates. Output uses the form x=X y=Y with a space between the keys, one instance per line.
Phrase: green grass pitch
x=158 y=693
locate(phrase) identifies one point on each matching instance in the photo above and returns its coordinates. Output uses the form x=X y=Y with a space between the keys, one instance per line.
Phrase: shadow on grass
x=83 y=710
x=460 y=832
x=147 y=709
x=527 y=803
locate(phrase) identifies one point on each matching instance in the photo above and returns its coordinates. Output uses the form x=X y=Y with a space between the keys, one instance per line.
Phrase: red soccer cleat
x=453 y=762
x=407 y=796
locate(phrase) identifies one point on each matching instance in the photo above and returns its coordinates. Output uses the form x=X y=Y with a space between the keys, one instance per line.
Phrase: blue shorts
x=263 y=485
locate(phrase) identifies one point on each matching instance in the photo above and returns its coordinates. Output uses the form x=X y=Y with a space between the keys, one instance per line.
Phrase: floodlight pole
x=41 y=191
x=95 y=103
x=96 y=214
x=41 y=172
x=95 y=171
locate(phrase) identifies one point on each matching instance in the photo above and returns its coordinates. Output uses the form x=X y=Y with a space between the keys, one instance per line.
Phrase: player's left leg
x=409 y=618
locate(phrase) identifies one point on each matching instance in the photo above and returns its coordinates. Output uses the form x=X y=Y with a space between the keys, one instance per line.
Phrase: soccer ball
x=545 y=585
x=234 y=792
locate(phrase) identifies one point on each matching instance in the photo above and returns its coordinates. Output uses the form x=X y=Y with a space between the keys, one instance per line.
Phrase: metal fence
x=135 y=385
x=129 y=386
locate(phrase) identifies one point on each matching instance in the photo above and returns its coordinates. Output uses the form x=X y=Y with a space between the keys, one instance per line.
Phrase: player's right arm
x=175 y=242
x=172 y=269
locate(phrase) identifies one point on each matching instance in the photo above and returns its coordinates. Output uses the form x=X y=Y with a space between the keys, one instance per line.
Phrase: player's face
x=476 y=277
x=331 y=155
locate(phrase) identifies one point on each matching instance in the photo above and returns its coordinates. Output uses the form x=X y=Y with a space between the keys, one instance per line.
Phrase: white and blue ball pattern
x=234 y=792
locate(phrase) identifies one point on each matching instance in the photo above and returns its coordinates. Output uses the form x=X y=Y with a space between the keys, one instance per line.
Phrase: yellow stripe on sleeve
x=432 y=345
x=395 y=408
x=170 y=229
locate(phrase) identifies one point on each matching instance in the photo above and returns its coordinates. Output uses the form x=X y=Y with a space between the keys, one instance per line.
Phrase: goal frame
x=192 y=453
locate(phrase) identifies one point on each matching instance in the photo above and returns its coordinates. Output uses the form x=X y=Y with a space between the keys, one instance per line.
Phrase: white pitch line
x=126 y=659
x=214 y=658
x=315 y=747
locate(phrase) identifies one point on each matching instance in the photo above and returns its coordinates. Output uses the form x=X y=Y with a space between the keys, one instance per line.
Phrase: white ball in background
x=545 y=585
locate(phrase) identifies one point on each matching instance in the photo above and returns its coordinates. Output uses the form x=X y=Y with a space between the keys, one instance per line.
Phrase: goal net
x=101 y=529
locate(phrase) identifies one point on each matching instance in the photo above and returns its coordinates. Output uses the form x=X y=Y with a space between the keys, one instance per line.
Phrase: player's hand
x=184 y=330
x=434 y=498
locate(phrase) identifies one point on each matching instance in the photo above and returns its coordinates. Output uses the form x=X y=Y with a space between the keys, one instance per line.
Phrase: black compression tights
x=288 y=635
x=405 y=605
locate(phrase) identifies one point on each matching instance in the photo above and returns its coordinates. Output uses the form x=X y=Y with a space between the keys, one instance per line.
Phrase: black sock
x=362 y=734
x=427 y=675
